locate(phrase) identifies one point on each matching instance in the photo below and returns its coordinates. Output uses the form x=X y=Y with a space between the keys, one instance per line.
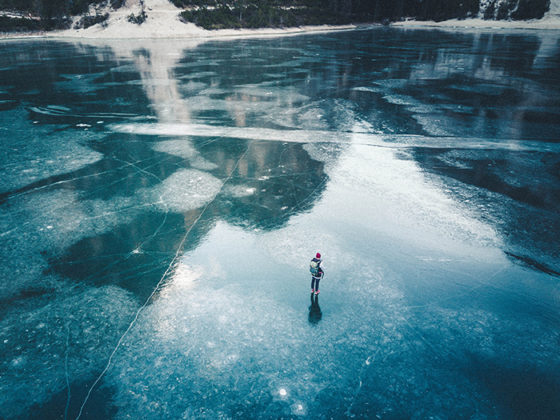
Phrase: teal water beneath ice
x=160 y=202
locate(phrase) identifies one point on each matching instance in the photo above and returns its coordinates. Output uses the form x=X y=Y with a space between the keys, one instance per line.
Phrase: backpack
x=314 y=266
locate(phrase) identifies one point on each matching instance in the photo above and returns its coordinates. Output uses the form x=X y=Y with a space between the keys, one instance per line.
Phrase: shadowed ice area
x=160 y=202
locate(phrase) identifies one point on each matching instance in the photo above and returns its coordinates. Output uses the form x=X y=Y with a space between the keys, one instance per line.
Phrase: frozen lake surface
x=160 y=202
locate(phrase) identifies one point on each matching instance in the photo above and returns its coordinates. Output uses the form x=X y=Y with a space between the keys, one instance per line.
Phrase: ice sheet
x=48 y=346
x=158 y=267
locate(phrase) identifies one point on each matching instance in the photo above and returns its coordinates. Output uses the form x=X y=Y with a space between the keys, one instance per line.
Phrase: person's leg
x=317 y=285
x=312 y=284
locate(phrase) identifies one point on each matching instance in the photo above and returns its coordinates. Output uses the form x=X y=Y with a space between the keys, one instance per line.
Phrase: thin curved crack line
x=69 y=394
x=360 y=383
x=139 y=247
x=305 y=199
x=129 y=254
x=126 y=256
x=62 y=181
x=139 y=169
x=169 y=267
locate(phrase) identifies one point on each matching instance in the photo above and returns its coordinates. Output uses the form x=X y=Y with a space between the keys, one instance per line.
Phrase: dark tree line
x=393 y=10
x=215 y=14
x=52 y=13
x=53 y=8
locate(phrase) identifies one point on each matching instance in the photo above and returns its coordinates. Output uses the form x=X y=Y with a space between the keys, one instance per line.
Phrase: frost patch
x=181 y=148
x=185 y=190
x=238 y=191
x=324 y=152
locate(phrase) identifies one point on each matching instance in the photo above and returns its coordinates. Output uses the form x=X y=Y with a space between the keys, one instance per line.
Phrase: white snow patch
x=185 y=190
x=549 y=21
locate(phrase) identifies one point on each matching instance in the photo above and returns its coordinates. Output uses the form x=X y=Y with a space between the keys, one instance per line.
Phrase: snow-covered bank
x=545 y=23
x=162 y=21
x=189 y=30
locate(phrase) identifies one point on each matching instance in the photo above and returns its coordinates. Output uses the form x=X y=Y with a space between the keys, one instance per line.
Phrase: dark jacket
x=320 y=272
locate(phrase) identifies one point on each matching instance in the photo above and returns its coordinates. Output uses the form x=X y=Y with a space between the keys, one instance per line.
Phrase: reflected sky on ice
x=160 y=201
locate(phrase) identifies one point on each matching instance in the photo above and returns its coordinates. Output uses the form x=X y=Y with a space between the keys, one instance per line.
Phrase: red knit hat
x=318 y=255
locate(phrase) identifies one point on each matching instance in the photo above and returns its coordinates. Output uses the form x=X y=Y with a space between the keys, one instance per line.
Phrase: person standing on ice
x=317 y=273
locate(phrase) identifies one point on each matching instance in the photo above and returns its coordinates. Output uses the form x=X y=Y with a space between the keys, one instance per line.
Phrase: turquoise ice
x=160 y=202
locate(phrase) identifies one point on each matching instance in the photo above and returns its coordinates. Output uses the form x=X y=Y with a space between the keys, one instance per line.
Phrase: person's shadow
x=315 y=313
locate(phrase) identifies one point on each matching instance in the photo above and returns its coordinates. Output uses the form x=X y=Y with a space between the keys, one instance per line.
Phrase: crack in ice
x=169 y=268
x=69 y=394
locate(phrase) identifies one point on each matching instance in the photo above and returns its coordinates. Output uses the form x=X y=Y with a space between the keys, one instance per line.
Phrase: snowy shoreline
x=196 y=34
x=536 y=24
x=163 y=22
